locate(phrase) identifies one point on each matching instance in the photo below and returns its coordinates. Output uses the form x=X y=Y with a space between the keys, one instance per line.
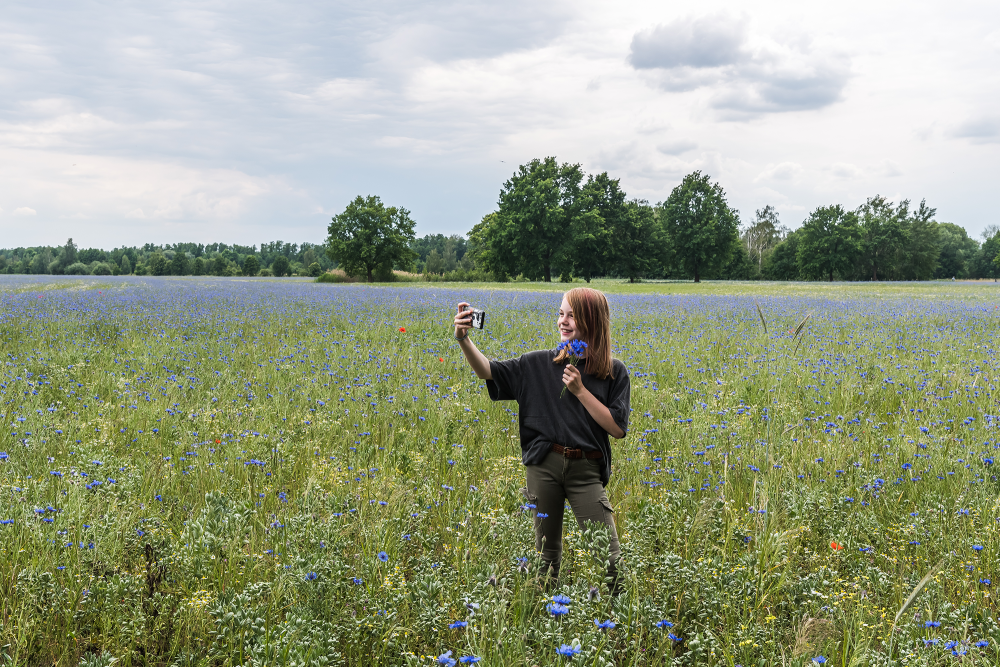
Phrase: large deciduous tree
x=922 y=248
x=957 y=251
x=763 y=234
x=370 y=238
x=883 y=233
x=700 y=225
x=537 y=218
x=829 y=243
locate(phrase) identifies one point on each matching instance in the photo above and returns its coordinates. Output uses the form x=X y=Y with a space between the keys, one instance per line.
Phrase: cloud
x=677 y=147
x=25 y=211
x=980 y=130
x=748 y=77
x=783 y=171
x=846 y=170
x=710 y=41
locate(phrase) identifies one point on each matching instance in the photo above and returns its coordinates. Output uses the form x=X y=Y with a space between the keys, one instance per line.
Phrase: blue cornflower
x=932 y=624
x=468 y=659
x=664 y=624
x=568 y=651
x=985 y=582
x=977 y=547
x=383 y=556
x=675 y=637
x=604 y=625
x=562 y=599
x=982 y=643
x=446 y=659
x=557 y=609
x=542 y=515
x=357 y=581
x=819 y=659
x=458 y=624
x=312 y=576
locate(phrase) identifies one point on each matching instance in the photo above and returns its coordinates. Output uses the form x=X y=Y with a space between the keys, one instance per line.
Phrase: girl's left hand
x=572 y=379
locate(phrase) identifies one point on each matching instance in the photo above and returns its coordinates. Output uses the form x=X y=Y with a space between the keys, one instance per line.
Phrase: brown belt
x=576 y=452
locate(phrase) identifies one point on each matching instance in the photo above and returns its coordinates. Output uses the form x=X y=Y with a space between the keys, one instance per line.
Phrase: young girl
x=564 y=435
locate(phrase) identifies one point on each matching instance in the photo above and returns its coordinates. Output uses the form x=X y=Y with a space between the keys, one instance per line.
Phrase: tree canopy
x=369 y=238
x=700 y=225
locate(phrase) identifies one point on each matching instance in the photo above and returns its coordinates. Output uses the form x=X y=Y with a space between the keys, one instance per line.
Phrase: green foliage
x=700 y=225
x=315 y=269
x=369 y=238
x=101 y=269
x=125 y=267
x=251 y=265
x=77 y=269
x=883 y=237
x=180 y=265
x=830 y=243
x=536 y=225
x=957 y=251
x=782 y=263
x=921 y=252
x=157 y=264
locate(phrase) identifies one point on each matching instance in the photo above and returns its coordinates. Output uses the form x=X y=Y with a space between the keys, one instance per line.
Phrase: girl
x=564 y=438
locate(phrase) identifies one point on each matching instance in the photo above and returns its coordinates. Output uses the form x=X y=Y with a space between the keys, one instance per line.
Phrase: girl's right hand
x=463 y=320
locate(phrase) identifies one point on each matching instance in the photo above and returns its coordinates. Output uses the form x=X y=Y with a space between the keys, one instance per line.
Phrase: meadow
x=221 y=471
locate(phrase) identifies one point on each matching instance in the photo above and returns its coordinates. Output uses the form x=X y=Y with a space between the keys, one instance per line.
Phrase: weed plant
x=246 y=472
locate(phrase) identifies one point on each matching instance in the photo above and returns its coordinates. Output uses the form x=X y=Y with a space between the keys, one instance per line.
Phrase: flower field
x=250 y=472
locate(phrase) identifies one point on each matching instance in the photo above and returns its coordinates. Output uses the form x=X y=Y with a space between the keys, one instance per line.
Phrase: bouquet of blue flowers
x=575 y=349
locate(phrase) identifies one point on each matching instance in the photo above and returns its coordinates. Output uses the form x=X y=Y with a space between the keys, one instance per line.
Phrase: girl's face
x=566 y=323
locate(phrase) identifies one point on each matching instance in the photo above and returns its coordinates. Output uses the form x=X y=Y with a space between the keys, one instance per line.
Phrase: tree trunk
x=371 y=279
x=548 y=273
x=831 y=276
x=631 y=279
x=697 y=275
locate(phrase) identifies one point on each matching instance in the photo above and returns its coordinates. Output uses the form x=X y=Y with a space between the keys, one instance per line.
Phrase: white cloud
x=25 y=211
x=747 y=77
x=783 y=171
x=846 y=170
x=980 y=129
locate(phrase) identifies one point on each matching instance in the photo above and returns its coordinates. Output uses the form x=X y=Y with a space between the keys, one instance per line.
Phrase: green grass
x=204 y=552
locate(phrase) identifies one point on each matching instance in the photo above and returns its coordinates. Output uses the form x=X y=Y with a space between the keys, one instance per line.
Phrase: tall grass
x=205 y=472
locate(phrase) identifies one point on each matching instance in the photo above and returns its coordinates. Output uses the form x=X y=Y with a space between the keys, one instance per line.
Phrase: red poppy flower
x=835 y=546
x=440 y=358
x=218 y=442
x=402 y=329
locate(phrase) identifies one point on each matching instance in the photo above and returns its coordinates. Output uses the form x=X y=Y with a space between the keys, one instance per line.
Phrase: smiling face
x=566 y=323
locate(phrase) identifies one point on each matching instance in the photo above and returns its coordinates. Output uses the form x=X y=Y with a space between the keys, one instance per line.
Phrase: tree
x=435 y=264
x=636 y=241
x=157 y=263
x=279 y=266
x=829 y=243
x=537 y=217
x=68 y=254
x=492 y=246
x=198 y=266
x=315 y=269
x=764 y=233
x=957 y=251
x=782 y=263
x=179 y=265
x=251 y=265
x=126 y=266
x=883 y=233
x=922 y=247
x=701 y=226
x=370 y=238
x=602 y=207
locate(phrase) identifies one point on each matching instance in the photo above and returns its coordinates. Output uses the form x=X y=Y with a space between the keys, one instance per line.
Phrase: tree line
x=554 y=221
x=275 y=258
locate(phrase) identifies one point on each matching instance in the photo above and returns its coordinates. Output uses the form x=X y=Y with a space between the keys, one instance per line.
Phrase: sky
x=123 y=123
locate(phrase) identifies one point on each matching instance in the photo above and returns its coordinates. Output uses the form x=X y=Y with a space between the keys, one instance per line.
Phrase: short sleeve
x=619 y=398
x=506 y=382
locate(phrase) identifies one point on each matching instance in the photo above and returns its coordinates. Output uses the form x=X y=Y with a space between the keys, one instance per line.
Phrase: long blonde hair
x=593 y=324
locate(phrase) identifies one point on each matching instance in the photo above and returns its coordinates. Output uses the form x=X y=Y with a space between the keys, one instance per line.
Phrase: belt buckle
x=573 y=452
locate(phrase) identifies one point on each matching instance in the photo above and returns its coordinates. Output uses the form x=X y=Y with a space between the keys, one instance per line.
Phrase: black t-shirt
x=535 y=382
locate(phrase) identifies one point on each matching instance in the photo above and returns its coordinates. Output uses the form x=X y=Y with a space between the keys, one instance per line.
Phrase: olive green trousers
x=550 y=484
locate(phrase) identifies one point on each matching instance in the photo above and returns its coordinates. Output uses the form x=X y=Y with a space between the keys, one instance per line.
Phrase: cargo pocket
x=607 y=505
